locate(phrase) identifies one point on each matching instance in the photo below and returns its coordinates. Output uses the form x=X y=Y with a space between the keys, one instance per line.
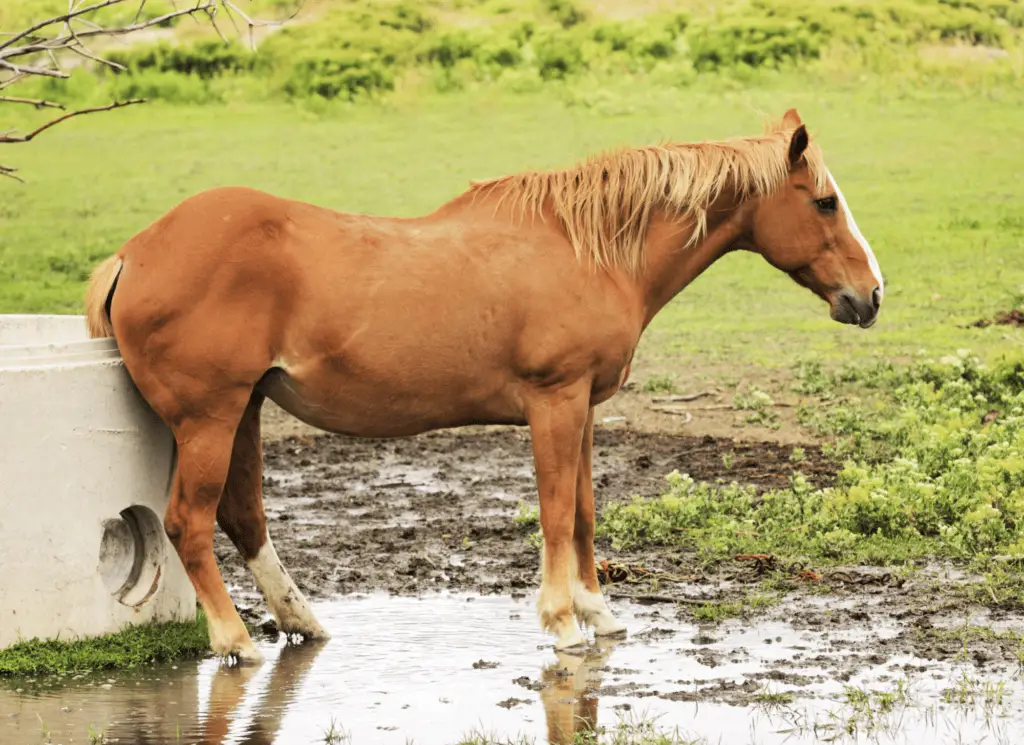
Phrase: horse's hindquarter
x=405 y=326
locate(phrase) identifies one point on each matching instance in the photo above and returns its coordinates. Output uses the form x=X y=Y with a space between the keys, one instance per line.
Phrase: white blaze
x=855 y=231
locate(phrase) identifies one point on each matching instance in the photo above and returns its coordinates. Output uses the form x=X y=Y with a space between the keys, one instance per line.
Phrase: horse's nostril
x=876 y=298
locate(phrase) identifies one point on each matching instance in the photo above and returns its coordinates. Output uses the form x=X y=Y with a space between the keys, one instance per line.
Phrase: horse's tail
x=98 y=296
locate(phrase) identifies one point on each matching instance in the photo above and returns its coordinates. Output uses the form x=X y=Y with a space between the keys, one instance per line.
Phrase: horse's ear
x=797 y=145
x=791 y=119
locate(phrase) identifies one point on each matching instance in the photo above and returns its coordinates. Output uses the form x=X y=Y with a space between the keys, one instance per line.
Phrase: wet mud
x=436 y=512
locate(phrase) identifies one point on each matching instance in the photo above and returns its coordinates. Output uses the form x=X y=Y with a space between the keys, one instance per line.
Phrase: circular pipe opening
x=132 y=554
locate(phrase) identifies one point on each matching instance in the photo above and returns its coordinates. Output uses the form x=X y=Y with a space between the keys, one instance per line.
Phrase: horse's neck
x=671 y=265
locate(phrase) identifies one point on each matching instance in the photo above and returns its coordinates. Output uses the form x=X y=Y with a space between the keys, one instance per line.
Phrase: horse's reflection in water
x=569 y=695
x=570 y=692
x=232 y=684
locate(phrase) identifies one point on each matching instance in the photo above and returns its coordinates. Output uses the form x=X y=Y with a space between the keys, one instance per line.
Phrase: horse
x=518 y=302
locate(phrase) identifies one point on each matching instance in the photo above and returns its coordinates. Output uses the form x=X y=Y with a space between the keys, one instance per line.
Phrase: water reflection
x=570 y=690
x=569 y=696
x=230 y=686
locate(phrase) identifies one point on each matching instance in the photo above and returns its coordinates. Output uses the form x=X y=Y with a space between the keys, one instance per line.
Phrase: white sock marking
x=286 y=602
x=590 y=606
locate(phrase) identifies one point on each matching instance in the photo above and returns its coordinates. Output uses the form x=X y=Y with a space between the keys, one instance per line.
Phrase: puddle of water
x=435 y=668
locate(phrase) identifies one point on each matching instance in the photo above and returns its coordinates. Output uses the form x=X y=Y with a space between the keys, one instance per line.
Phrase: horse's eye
x=826 y=205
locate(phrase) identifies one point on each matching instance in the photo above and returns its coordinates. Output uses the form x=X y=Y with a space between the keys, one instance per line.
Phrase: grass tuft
x=132 y=647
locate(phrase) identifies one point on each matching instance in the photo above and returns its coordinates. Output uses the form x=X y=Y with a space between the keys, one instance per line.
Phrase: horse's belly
x=375 y=409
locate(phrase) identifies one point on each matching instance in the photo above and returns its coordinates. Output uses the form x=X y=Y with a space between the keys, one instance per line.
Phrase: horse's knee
x=173 y=529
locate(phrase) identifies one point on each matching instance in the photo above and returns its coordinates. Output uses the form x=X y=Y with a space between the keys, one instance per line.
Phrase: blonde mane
x=605 y=203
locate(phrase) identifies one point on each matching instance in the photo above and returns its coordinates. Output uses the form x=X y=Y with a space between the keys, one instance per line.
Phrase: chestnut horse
x=478 y=313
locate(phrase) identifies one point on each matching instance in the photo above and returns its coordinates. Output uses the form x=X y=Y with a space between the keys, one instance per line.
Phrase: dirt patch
x=437 y=511
x=1013 y=317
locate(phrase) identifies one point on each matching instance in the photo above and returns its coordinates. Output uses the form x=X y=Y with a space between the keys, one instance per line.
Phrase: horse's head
x=806 y=229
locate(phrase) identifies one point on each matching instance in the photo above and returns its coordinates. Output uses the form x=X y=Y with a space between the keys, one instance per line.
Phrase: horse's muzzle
x=850 y=308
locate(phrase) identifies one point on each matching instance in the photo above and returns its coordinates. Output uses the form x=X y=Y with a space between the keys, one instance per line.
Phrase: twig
x=138 y=13
x=89 y=55
x=681 y=398
x=230 y=6
x=59 y=119
x=688 y=417
x=26 y=70
x=10 y=172
x=37 y=102
x=12 y=80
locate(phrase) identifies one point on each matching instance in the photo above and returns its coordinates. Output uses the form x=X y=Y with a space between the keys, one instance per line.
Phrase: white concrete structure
x=85 y=469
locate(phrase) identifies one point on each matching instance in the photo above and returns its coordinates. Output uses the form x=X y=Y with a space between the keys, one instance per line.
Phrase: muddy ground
x=436 y=512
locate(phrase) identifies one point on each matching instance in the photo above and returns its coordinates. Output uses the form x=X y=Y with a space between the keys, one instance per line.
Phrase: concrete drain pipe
x=85 y=468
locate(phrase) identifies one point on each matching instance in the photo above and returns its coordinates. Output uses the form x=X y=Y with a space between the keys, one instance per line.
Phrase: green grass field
x=934 y=181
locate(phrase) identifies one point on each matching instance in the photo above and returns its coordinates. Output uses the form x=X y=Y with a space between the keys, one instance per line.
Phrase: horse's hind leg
x=241 y=516
x=588 y=602
x=204 y=455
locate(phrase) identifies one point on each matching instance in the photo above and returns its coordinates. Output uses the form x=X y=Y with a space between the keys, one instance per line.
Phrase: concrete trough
x=85 y=473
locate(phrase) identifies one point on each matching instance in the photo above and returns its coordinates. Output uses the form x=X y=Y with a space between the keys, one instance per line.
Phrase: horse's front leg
x=588 y=602
x=557 y=420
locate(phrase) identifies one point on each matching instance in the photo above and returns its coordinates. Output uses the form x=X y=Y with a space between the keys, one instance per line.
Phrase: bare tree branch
x=40 y=44
x=57 y=19
x=8 y=138
x=67 y=40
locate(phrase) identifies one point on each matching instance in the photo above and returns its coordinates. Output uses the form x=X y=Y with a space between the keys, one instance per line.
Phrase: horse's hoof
x=573 y=642
x=309 y=634
x=615 y=629
x=242 y=656
x=298 y=638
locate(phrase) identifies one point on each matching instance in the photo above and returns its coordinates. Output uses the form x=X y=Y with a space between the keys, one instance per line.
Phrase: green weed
x=712 y=612
x=926 y=475
x=717 y=612
x=970 y=692
x=869 y=709
x=527 y=516
x=770 y=700
x=96 y=736
x=758 y=405
x=335 y=734
x=659 y=384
